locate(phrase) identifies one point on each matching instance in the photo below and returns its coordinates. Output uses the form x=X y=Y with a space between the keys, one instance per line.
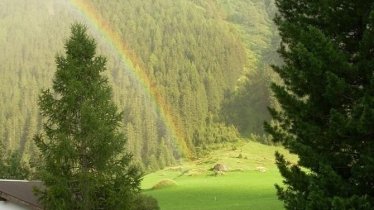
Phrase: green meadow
x=248 y=183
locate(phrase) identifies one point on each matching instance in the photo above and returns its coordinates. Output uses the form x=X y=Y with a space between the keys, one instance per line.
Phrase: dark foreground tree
x=85 y=163
x=328 y=103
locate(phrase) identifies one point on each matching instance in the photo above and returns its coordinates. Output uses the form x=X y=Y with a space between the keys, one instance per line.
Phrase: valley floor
x=248 y=183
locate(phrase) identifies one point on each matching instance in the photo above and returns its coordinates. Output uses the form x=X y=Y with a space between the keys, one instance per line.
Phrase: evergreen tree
x=85 y=164
x=327 y=102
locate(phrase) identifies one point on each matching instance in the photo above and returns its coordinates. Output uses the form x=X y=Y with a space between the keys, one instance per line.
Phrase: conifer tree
x=327 y=102
x=85 y=163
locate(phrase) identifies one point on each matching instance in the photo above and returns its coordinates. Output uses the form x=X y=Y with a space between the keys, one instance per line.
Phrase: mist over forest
x=208 y=60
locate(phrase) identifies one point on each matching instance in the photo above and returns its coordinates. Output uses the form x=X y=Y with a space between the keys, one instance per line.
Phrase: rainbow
x=131 y=61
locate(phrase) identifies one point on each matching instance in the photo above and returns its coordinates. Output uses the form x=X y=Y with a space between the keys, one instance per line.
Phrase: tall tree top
x=80 y=47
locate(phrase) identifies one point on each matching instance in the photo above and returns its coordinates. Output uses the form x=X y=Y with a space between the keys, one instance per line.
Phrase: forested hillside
x=208 y=60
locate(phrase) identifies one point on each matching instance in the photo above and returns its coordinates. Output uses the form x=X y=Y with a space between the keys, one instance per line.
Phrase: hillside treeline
x=200 y=56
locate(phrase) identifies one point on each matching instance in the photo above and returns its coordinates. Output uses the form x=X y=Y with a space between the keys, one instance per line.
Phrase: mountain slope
x=190 y=51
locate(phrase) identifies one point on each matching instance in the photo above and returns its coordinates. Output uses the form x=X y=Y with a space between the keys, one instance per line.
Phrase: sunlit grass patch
x=248 y=183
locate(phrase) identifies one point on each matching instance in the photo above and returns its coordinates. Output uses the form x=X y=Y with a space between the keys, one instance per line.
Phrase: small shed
x=19 y=195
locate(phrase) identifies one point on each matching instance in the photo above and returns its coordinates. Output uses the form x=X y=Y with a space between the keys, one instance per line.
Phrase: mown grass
x=242 y=188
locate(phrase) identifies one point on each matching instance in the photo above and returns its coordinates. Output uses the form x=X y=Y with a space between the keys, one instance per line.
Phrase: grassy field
x=243 y=187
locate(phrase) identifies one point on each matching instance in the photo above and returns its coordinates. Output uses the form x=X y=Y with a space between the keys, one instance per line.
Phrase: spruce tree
x=85 y=165
x=327 y=100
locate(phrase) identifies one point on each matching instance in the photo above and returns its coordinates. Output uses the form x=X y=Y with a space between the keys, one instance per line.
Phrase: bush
x=145 y=202
x=12 y=166
x=164 y=183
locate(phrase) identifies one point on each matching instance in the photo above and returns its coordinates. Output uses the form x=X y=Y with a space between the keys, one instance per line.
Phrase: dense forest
x=208 y=59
